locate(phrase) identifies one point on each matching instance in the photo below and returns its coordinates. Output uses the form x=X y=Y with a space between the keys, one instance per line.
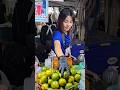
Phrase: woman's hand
x=63 y=65
x=58 y=49
x=67 y=51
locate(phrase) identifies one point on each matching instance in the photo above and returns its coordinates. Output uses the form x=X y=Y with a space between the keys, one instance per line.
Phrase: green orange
x=48 y=72
x=73 y=71
x=43 y=79
x=44 y=68
x=66 y=75
x=55 y=85
x=68 y=85
x=77 y=77
x=55 y=76
x=44 y=86
x=62 y=82
x=49 y=81
x=71 y=79
x=40 y=74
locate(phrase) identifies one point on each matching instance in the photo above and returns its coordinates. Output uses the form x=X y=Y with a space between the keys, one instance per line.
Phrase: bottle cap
x=81 y=51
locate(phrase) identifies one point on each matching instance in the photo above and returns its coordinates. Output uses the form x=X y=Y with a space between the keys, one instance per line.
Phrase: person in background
x=62 y=37
x=24 y=29
x=20 y=56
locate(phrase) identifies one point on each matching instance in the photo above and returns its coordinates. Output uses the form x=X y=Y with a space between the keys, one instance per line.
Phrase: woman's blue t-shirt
x=64 y=41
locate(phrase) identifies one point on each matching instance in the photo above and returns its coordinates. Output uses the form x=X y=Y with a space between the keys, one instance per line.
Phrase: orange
x=49 y=81
x=77 y=77
x=43 y=79
x=62 y=82
x=49 y=89
x=55 y=85
x=48 y=72
x=44 y=86
x=66 y=75
x=73 y=71
x=55 y=76
x=76 y=85
x=44 y=68
x=61 y=88
x=71 y=79
x=68 y=85
x=40 y=74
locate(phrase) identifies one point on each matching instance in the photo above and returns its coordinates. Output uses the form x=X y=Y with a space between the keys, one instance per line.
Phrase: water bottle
x=82 y=80
x=37 y=67
x=82 y=70
x=48 y=61
x=81 y=58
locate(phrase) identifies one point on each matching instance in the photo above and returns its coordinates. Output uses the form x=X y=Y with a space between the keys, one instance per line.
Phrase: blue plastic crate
x=98 y=54
x=75 y=50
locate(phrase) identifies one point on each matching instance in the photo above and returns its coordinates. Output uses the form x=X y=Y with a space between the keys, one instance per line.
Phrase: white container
x=48 y=62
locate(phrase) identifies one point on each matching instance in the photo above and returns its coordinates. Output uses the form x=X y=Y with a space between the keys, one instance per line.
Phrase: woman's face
x=66 y=25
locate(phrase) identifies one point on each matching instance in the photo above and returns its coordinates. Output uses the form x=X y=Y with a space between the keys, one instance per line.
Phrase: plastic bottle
x=81 y=58
x=48 y=61
x=82 y=80
x=82 y=70
x=37 y=67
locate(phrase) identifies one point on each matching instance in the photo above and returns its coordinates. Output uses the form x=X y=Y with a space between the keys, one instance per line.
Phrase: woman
x=62 y=37
x=23 y=31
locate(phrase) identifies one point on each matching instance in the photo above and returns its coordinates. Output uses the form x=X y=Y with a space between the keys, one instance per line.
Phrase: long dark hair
x=62 y=16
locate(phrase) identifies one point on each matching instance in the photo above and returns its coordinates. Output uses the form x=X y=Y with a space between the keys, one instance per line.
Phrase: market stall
x=51 y=78
x=47 y=73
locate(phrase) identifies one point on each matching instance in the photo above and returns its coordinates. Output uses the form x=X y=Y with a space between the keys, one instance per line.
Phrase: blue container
x=98 y=54
x=75 y=50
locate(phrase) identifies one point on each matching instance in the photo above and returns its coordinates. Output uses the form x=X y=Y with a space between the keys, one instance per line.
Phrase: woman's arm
x=68 y=51
x=58 y=49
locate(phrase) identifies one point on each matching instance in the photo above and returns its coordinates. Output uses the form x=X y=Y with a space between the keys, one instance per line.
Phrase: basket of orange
x=51 y=79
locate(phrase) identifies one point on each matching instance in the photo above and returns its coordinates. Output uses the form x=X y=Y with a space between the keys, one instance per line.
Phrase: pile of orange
x=50 y=79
